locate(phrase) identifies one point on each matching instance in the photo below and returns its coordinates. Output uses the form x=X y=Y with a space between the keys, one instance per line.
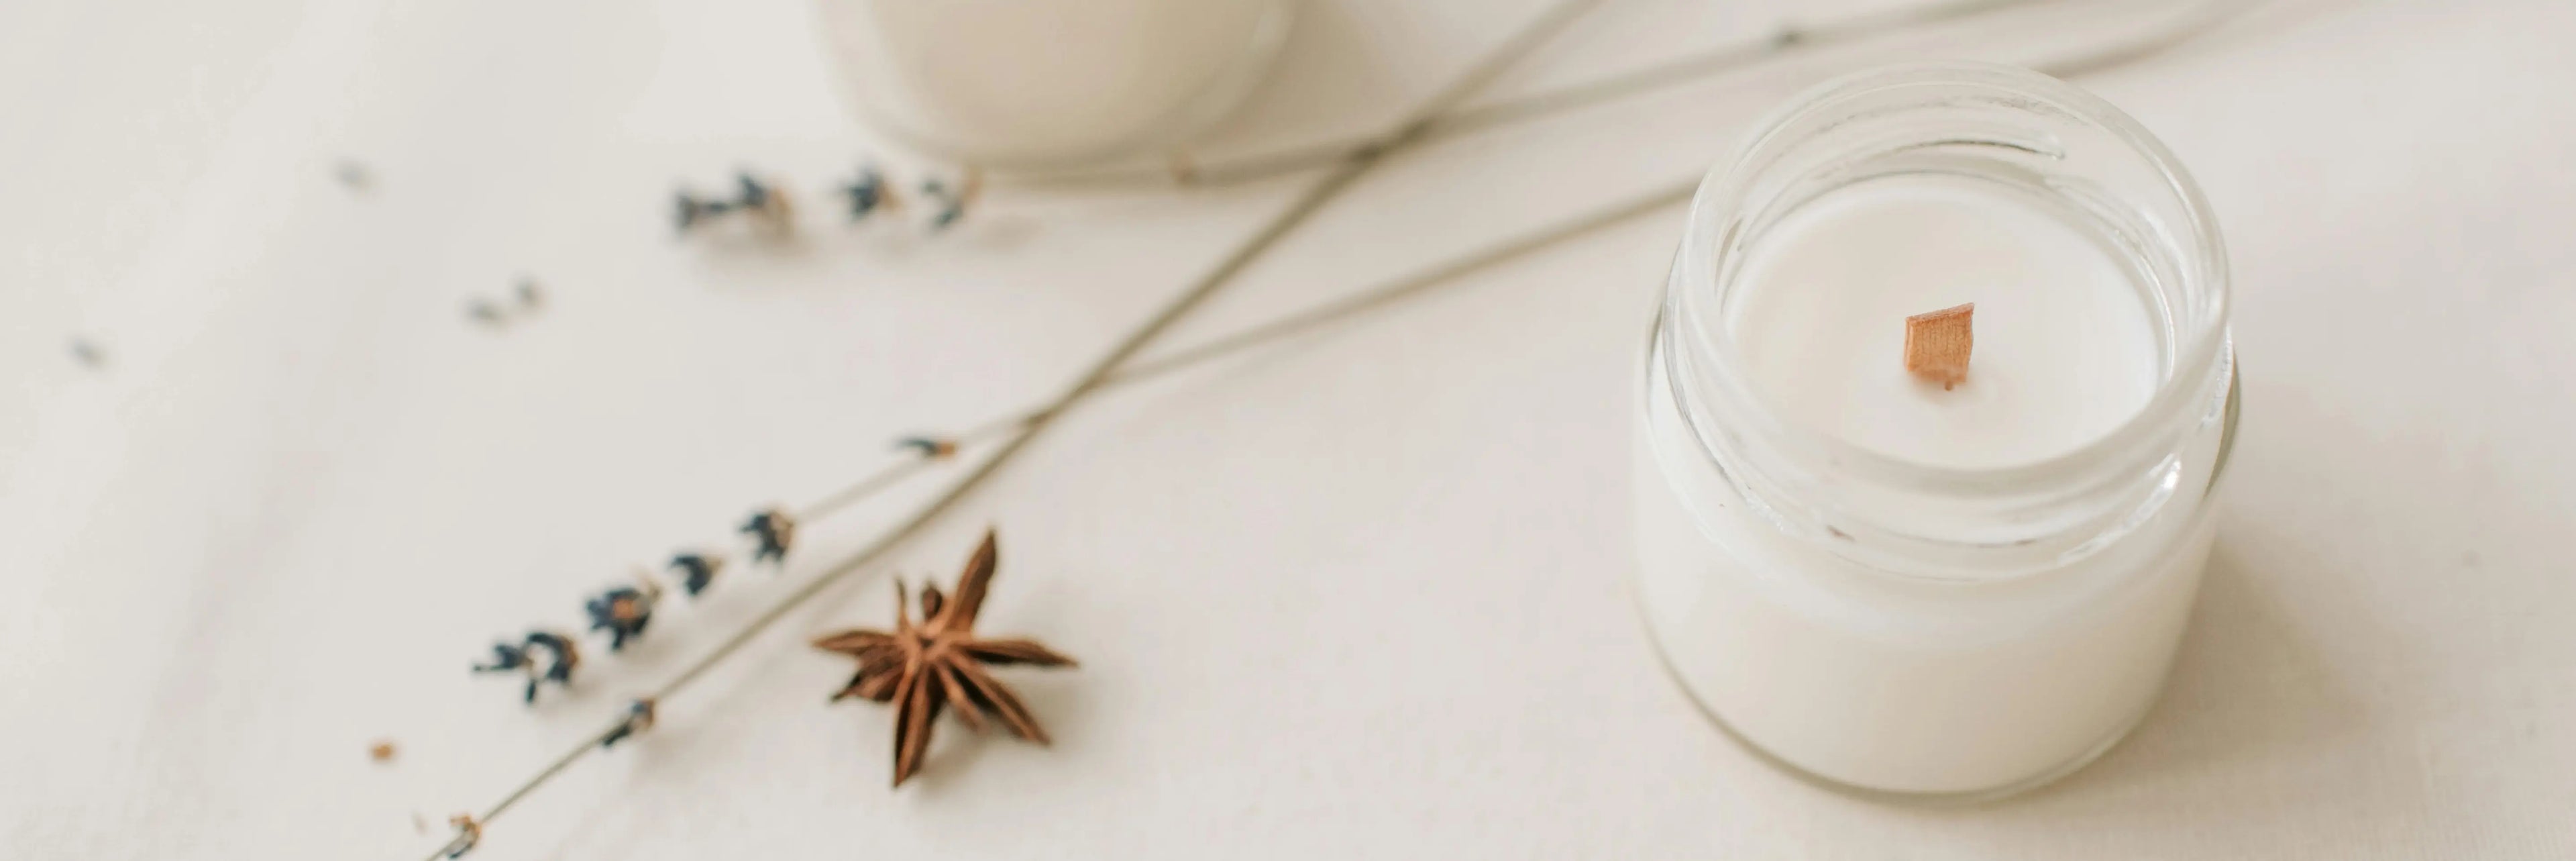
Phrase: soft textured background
x=1359 y=595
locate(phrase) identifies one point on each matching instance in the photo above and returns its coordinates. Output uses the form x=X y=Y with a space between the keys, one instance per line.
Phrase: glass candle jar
x=1898 y=588
x=1048 y=83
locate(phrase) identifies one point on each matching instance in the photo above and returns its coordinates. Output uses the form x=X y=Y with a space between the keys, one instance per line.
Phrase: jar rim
x=2147 y=436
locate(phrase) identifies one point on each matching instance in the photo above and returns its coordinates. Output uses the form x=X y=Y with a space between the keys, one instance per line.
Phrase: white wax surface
x=1887 y=682
x=2065 y=351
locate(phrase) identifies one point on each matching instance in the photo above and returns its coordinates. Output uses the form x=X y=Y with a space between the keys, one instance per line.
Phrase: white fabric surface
x=1358 y=595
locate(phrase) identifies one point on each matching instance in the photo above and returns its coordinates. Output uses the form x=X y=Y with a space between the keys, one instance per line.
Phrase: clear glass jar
x=1049 y=83
x=1907 y=629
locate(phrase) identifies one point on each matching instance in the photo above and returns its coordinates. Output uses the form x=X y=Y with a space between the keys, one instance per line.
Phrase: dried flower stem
x=1306 y=204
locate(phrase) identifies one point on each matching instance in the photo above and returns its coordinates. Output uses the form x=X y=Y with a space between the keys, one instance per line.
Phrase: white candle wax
x=1888 y=585
x=2065 y=350
x=1019 y=82
x=1879 y=680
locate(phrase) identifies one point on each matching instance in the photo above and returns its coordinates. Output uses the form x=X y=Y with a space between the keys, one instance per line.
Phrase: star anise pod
x=940 y=664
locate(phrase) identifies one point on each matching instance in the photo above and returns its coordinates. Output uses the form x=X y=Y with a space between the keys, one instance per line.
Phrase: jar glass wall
x=1861 y=592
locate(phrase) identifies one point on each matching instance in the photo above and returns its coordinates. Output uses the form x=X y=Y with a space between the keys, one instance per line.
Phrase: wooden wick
x=1937 y=344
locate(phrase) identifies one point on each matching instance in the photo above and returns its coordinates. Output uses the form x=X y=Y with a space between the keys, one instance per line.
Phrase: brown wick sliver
x=1937 y=344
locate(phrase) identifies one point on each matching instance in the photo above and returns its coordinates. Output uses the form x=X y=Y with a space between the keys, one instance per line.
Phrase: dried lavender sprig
x=1312 y=200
